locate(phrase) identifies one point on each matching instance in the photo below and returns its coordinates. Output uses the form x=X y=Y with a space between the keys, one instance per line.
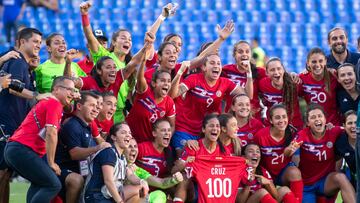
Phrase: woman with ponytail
x=319 y=86
x=278 y=88
x=238 y=74
x=277 y=148
x=108 y=179
x=228 y=136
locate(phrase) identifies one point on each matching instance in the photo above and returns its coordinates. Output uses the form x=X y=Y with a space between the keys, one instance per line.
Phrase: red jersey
x=150 y=63
x=317 y=154
x=202 y=151
x=200 y=100
x=31 y=133
x=247 y=132
x=230 y=148
x=255 y=185
x=90 y=83
x=105 y=125
x=86 y=65
x=218 y=177
x=272 y=152
x=145 y=111
x=152 y=160
x=272 y=96
x=314 y=91
x=231 y=71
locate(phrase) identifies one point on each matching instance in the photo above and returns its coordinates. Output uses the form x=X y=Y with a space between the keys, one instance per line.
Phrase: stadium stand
x=286 y=29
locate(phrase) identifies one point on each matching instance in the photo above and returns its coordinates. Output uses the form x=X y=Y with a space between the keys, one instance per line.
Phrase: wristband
x=180 y=72
x=249 y=75
x=142 y=181
x=162 y=17
x=173 y=181
x=85 y=20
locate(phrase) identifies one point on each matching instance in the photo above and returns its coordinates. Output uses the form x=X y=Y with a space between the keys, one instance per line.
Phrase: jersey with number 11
x=218 y=177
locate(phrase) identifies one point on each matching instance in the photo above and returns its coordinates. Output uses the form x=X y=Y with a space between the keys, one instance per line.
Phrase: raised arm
x=70 y=56
x=178 y=89
x=141 y=84
x=223 y=33
x=91 y=39
x=136 y=60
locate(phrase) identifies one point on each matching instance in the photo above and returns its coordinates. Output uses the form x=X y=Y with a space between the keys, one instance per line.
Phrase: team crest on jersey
x=329 y=144
x=218 y=93
x=162 y=113
x=250 y=136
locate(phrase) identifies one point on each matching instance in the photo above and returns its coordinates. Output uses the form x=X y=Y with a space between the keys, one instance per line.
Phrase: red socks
x=57 y=199
x=289 y=198
x=297 y=188
x=267 y=199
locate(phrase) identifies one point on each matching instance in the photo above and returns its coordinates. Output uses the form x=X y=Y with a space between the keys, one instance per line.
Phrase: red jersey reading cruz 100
x=218 y=177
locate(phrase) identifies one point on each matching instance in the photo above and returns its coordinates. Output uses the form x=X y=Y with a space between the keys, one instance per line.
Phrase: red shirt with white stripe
x=145 y=111
x=231 y=71
x=199 y=100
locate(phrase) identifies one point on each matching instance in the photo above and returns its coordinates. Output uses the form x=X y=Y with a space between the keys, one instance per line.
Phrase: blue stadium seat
x=271 y=17
x=313 y=17
x=299 y=17
x=281 y=5
x=241 y=17
x=285 y=17
x=265 y=5
x=250 y=5
x=256 y=17
x=296 y=24
x=295 y=5
x=207 y=5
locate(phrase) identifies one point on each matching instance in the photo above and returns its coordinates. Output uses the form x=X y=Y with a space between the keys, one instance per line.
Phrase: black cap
x=99 y=34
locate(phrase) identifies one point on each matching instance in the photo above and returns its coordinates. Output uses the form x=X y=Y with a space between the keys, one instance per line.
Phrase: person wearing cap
x=55 y=65
x=87 y=63
x=339 y=54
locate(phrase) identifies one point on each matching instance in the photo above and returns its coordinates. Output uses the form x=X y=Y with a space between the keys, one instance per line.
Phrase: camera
x=15 y=85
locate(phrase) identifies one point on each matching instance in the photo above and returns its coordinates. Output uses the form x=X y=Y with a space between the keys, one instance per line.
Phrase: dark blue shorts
x=278 y=181
x=3 y=164
x=311 y=191
x=179 y=139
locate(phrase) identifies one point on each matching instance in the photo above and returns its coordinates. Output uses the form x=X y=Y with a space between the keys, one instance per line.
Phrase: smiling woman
x=319 y=86
x=207 y=90
x=55 y=65
x=151 y=103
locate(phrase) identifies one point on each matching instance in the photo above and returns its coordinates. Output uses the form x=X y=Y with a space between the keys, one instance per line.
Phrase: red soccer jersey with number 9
x=200 y=99
x=218 y=177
